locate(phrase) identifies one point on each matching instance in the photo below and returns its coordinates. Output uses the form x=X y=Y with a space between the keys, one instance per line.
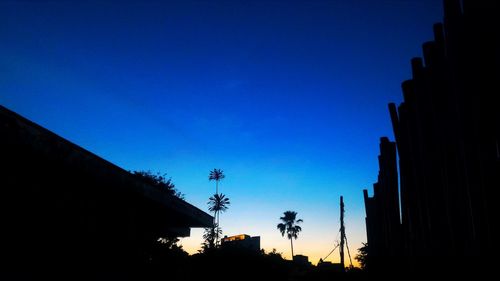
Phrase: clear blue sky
x=289 y=98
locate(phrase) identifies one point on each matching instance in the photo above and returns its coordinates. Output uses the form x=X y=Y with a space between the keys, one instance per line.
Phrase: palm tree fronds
x=289 y=225
x=216 y=174
x=218 y=203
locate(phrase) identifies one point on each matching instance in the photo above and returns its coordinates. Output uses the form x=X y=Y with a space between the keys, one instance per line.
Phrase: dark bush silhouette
x=159 y=181
x=362 y=256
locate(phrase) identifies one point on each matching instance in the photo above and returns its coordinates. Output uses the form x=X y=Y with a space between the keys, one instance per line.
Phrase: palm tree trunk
x=217 y=232
x=291 y=243
x=216 y=215
x=214 y=227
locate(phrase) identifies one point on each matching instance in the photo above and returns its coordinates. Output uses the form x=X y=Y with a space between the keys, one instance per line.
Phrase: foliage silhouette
x=210 y=235
x=244 y=264
x=218 y=203
x=166 y=255
x=274 y=254
x=362 y=256
x=217 y=175
x=159 y=181
x=289 y=225
x=170 y=243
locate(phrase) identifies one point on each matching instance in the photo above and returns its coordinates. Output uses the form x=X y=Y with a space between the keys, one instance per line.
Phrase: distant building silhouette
x=242 y=241
x=447 y=132
x=329 y=267
x=301 y=260
x=63 y=207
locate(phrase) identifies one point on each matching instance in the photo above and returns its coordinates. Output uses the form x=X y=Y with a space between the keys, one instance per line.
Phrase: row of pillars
x=447 y=133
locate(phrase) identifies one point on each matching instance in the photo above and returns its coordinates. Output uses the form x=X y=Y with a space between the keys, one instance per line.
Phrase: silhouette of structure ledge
x=65 y=207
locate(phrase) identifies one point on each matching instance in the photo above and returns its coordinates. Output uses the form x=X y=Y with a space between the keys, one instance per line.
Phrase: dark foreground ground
x=228 y=264
x=217 y=265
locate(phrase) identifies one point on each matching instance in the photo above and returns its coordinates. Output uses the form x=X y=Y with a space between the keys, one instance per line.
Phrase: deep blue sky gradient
x=289 y=98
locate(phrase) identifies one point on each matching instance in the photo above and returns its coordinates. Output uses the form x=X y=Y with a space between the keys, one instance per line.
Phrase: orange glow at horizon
x=320 y=226
x=314 y=249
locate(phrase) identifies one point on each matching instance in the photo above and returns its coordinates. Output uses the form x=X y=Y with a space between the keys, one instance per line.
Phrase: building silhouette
x=447 y=133
x=242 y=242
x=65 y=208
x=301 y=260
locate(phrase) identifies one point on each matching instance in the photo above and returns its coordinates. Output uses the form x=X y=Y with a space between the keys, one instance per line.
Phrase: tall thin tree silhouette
x=209 y=238
x=217 y=204
x=289 y=225
x=217 y=175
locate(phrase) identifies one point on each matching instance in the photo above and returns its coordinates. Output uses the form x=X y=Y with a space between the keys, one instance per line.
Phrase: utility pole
x=342 y=232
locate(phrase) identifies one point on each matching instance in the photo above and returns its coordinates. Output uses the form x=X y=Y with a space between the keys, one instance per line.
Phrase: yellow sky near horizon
x=311 y=245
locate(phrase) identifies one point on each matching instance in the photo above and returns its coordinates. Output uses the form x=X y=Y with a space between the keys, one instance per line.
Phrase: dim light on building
x=235 y=238
x=242 y=241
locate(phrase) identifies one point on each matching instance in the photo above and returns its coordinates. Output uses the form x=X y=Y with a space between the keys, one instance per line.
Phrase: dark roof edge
x=201 y=218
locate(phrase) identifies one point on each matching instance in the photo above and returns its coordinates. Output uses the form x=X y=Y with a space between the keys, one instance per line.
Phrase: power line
x=331 y=251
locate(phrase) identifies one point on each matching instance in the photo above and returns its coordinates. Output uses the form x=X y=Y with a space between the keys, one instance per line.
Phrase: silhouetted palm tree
x=217 y=204
x=209 y=237
x=290 y=226
x=217 y=175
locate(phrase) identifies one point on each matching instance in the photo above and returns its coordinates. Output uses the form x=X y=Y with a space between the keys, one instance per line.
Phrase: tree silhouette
x=209 y=237
x=170 y=242
x=274 y=253
x=289 y=225
x=218 y=203
x=159 y=181
x=362 y=256
x=217 y=175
